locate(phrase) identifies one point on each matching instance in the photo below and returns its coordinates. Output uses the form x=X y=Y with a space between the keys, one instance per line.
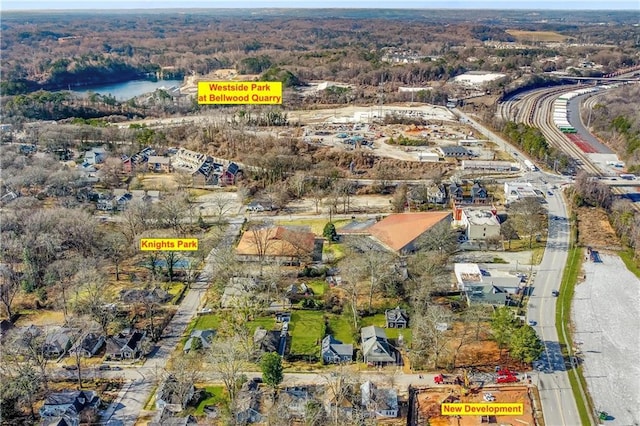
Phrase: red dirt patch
x=429 y=402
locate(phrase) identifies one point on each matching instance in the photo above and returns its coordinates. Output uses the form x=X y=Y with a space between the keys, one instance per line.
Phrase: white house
x=380 y=402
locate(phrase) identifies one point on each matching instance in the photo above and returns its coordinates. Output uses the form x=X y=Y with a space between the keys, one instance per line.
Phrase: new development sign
x=482 y=409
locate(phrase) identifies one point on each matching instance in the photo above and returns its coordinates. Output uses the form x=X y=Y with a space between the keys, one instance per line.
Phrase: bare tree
x=441 y=238
x=9 y=286
x=116 y=248
x=341 y=387
x=528 y=217
x=262 y=239
x=228 y=358
x=430 y=337
x=222 y=204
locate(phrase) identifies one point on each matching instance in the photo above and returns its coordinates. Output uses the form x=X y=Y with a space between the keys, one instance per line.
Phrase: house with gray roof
x=125 y=345
x=67 y=406
x=335 y=352
x=204 y=336
x=56 y=343
x=173 y=396
x=376 y=348
x=396 y=318
x=89 y=344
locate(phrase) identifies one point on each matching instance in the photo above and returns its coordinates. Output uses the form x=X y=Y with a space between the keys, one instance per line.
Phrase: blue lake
x=127 y=90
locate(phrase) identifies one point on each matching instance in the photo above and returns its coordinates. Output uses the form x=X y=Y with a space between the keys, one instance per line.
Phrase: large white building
x=480 y=224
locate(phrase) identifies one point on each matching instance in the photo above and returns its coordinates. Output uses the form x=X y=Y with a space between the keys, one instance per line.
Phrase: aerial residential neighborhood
x=386 y=216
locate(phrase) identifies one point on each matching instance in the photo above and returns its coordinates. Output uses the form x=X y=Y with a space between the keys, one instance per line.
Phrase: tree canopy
x=271 y=365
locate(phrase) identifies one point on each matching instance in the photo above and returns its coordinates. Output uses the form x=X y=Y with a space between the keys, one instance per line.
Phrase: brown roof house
x=399 y=232
x=278 y=243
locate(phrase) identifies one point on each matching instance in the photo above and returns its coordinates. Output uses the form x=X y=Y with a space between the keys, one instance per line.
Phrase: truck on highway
x=530 y=165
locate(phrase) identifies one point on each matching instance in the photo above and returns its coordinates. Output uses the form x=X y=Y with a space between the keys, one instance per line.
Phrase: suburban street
x=133 y=396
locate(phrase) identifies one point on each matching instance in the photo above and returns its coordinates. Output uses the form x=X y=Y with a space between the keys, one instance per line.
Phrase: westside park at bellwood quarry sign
x=239 y=92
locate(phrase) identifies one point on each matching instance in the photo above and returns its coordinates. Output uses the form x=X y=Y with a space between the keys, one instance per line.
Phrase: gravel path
x=606 y=314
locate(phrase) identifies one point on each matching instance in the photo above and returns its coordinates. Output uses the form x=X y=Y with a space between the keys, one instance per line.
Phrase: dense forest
x=54 y=51
x=616 y=120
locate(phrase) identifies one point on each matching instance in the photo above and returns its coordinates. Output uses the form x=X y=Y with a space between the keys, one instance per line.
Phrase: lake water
x=127 y=90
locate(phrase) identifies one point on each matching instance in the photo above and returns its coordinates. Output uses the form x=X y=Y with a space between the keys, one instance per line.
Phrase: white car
x=489 y=397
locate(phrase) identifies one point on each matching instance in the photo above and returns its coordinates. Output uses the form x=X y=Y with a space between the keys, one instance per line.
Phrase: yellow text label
x=482 y=409
x=239 y=92
x=168 y=244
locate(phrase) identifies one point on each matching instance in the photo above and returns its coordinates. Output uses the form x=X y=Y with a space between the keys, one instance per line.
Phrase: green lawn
x=333 y=250
x=392 y=333
x=306 y=329
x=630 y=261
x=204 y=322
x=215 y=396
x=265 y=322
x=319 y=287
x=341 y=328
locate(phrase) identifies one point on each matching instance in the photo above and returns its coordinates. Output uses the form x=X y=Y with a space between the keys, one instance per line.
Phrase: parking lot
x=605 y=313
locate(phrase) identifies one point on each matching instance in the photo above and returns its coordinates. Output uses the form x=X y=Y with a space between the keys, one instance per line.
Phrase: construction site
x=425 y=403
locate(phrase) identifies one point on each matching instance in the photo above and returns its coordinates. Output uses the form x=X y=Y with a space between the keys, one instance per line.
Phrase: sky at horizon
x=344 y=4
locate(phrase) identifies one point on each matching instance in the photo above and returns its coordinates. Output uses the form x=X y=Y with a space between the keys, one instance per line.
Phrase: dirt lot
x=594 y=229
x=429 y=401
x=537 y=35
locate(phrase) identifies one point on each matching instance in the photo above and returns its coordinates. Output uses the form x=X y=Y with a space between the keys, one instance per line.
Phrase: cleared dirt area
x=523 y=35
x=595 y=230
x=429 y=402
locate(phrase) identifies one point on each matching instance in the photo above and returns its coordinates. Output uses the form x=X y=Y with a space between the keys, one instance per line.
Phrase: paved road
x=559 y=406
x=133 y=396
x=558 y=403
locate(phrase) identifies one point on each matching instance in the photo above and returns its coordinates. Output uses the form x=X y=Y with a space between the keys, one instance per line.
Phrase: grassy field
x=306 y=329
x=204 y=322
x=522 y=35
x=341 y=327
x=392 y=333
x=319 y=287
x=316 y=225
x=215 y=396
x=334 y=251
x=265 y=322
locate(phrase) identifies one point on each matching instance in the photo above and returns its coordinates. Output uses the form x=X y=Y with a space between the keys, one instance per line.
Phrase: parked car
x=70 y=367
x=104 y=367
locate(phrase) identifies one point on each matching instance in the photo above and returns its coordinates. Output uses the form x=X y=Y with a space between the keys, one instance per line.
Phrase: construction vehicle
x=441 y=379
